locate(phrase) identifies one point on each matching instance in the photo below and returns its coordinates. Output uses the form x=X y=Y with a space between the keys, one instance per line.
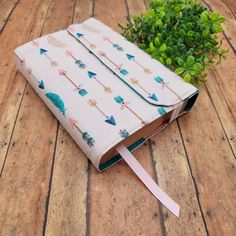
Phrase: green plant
x=181 y=34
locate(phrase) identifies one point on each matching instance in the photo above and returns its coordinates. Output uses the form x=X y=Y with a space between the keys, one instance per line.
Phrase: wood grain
x=25 y=177
x=25 y=17
x=7 y=7
x=174 y=176
x=220 y=86
x=9 y=109
x=231 y=5
x=212 y=164
x=67 y=204
x=68 y=196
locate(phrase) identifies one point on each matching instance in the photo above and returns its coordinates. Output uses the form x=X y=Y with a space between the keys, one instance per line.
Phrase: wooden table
x=47 y=186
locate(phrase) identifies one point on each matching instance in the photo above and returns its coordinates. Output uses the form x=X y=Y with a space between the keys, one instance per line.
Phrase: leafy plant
x=181 y=34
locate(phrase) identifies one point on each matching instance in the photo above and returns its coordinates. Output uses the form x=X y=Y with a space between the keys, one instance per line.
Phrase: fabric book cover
x=104 y=90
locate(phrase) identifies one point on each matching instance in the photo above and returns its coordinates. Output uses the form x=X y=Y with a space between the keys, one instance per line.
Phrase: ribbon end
x=176 y=211
x=148 y=181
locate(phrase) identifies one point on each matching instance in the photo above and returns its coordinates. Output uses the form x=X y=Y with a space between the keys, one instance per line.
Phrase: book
x=104 y=90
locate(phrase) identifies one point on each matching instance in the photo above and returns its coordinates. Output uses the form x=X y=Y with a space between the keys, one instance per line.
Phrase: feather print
x=91 y=29
x=55 y=42
x=57 y=102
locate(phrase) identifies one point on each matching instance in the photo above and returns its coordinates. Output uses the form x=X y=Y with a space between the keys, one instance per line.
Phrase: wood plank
x=219 y=85
x=83 y=10
x=68 y=197
x=9 y=109
x=230 y=23
x=212 y=164
x=119 y=203
x=231 y=5
x=30 y=158
x=25 y=177
x=174 y=176
x=173 y=173
x=7 y=6
x=23 y=19
x=8 y=114
x=136 y=7
x=67 y=204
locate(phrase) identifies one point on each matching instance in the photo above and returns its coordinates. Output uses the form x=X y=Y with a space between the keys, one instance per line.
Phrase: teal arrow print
x=109 y=119
x=131 y=57
x=118 y=67
x=124 y=104
x=150 y=95
x=77 y=61
x=82 y=92
x=115 y=45
x=85 y=135
x=161 y=110
x=81 y=36
x=41 y=84
x=29 y=71
x=44 y=52
x=92 y=75
x=124 y=133
x=161 y=81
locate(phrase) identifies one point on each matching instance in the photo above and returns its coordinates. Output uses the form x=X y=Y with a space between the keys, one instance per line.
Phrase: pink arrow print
x=70 y=54
x=105 y=38
x=85 y=135
x=115 y=45
x=109 y=119
x=80 y=90
x=164 y=85
x=103 y=54
x=124 y=104
x=72 y=29
x=118 y=67
x=132 y=58
x=77 y=61
x=35 y=43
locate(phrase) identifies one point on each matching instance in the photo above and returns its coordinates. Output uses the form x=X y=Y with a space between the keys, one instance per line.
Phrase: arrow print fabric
x=109 y=119
x=85 y=135
x=99 y=85
x=29 y=71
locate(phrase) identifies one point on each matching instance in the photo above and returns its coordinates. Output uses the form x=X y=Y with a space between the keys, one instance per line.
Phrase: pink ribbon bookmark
x=148 y=181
